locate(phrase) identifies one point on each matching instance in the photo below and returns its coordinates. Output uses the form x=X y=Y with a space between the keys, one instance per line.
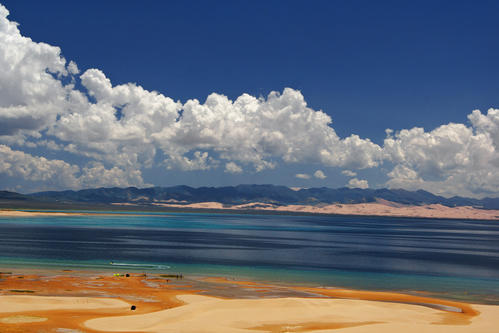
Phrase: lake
x=457 y=258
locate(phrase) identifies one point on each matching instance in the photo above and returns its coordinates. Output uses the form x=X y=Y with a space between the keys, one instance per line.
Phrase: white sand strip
x=20 y=213
x=10 y=304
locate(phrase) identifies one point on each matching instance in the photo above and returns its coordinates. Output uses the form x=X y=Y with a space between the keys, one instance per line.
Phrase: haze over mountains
x=242 y=194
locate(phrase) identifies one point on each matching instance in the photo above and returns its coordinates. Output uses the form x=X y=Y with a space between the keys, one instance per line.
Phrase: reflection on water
x=317 y=248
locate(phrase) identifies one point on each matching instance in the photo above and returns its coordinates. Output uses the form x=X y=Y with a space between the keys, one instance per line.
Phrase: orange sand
x=132 y=290
x=165 y=306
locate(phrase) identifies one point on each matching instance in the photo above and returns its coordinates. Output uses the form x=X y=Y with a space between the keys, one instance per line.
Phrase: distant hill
x=241 y=194
x=13 y=196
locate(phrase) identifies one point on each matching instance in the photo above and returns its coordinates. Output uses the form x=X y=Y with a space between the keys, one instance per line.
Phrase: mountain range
x=242 y=194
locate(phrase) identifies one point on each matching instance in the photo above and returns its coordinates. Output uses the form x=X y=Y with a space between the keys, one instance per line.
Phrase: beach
x=20 y=213
x=81 y=301
x=189 y=272
x=248 y=167
x=378 y=208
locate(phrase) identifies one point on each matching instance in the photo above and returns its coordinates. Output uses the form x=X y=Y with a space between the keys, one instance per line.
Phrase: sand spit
x=20 y=213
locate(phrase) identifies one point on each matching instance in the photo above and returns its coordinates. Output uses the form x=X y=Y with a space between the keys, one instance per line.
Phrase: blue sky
x=368 y=65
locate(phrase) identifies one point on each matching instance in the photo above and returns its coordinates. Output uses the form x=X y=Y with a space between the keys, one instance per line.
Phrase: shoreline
x=44 y=300
x=158 y=298
x=381 y=208
x=378 y=209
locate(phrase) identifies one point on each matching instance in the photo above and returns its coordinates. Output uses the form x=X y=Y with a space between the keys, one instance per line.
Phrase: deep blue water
x=460 y=257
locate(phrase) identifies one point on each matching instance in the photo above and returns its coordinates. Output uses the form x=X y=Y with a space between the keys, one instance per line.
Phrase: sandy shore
x=380 y=208
x=23 y=303
x=95 y=302
x=209 y=314
x=20 y=213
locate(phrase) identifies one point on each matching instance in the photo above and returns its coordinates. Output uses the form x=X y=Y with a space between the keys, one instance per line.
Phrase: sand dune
x=380 y=208
x=210 y=314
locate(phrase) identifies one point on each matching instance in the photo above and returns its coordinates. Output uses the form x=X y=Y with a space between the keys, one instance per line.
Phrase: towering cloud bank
x=452 y=159
x=114 y=132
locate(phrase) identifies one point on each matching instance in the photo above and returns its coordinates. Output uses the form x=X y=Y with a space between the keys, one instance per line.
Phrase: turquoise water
x=454 y=258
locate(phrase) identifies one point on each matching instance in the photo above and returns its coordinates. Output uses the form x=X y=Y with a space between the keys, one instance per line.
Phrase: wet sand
x=76 y=301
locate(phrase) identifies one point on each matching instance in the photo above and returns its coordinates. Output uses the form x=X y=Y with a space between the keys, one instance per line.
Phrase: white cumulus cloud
x=16 y=163
x=117 y=131
x=349 y=173
x=31 y=92
x=358 y=183
x=232 y=167
x=125 y=126
x=453 y=159
x=302 y=176
x=319 y=174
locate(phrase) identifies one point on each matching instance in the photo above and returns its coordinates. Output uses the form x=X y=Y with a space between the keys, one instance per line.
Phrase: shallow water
x=459 y=258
